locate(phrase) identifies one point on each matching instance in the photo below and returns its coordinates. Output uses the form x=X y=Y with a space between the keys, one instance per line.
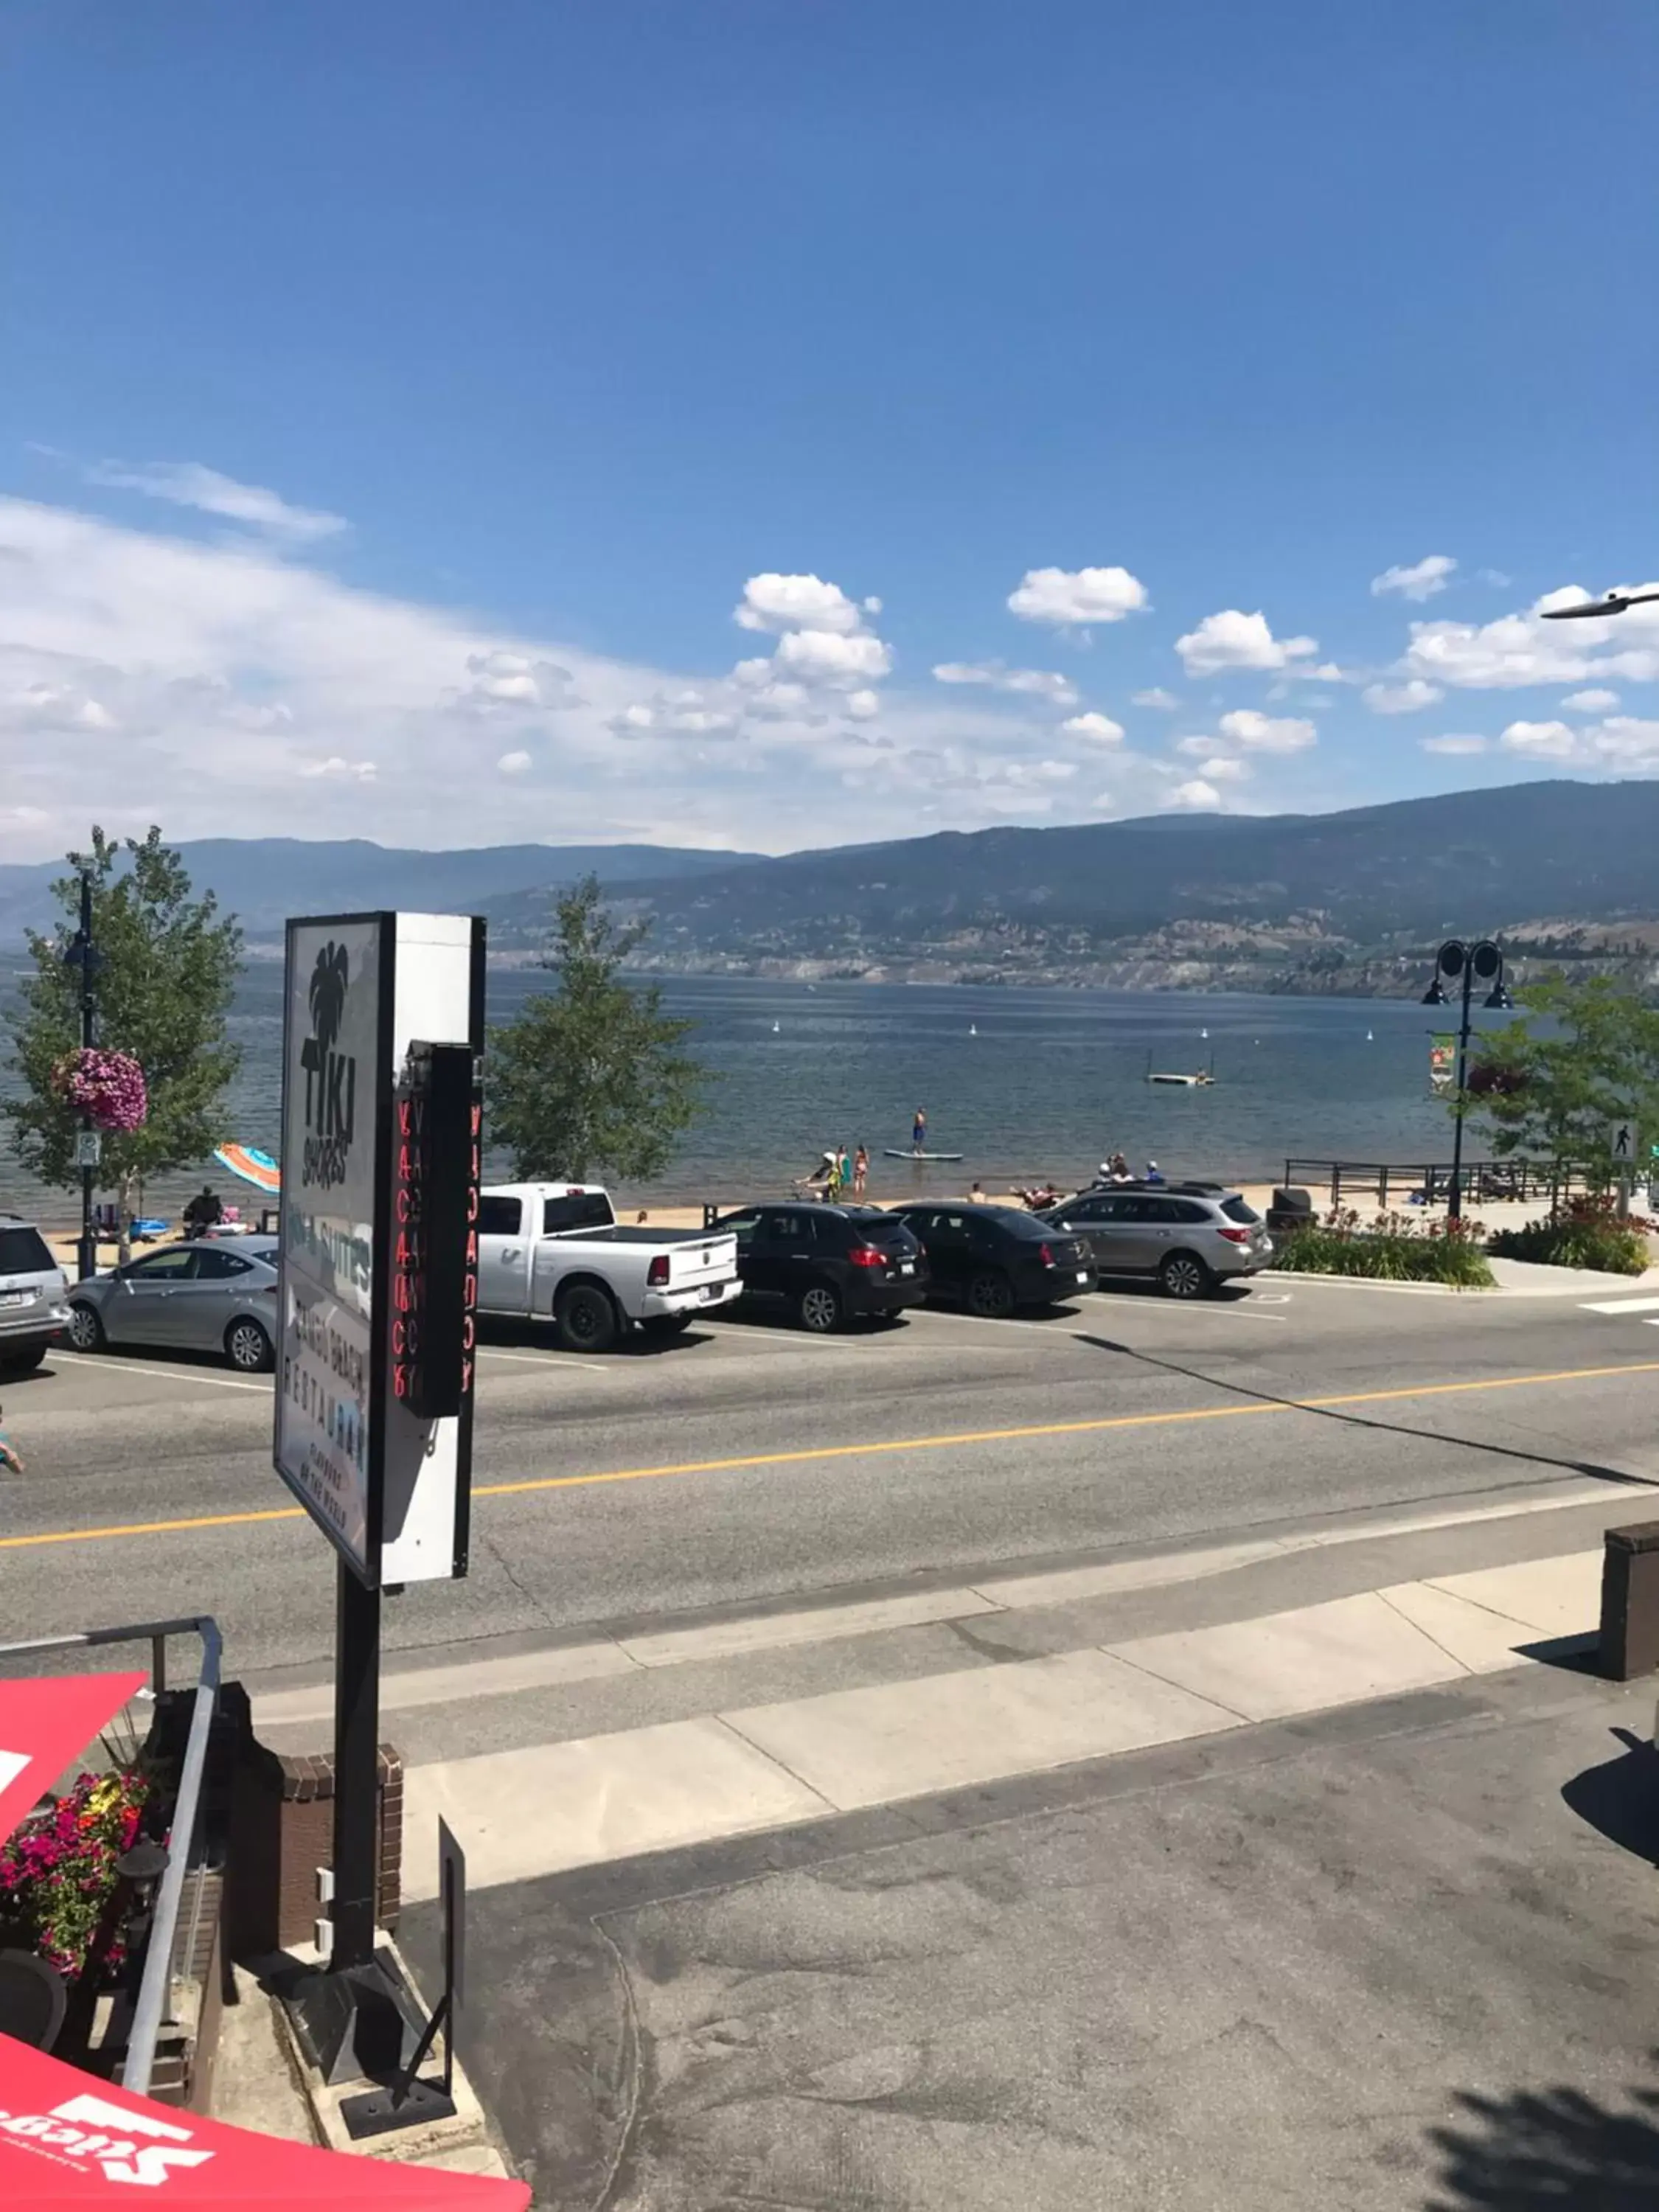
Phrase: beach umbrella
x=46 y=1722
x=251 y=1166
x=65 y=2136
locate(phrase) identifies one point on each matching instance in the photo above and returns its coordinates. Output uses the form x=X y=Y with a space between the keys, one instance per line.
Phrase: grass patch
x=1394 y=1248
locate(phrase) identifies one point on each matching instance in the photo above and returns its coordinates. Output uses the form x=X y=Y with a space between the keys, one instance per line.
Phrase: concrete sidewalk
x=1400 y=1954
x=545 y=1808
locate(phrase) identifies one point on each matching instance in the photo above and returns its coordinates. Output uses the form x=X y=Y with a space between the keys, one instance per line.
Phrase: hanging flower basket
x=108 y=1087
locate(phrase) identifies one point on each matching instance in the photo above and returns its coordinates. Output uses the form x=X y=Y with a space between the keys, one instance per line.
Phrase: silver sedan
x=186 y=1297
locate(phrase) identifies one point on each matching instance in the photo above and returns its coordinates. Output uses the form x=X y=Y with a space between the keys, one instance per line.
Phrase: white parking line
x=541 y=1360
x=1619 y=1305
x=168 y=1374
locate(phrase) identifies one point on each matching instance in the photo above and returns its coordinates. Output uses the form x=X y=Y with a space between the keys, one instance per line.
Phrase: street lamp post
x=82 y=955
x=1463 y=966
x=1590 y=610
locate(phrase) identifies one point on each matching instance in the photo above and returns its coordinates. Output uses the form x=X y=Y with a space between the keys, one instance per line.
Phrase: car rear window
x=1239 y=1209
x=23 y=1252
x=876 y=1226
x=585 y=1209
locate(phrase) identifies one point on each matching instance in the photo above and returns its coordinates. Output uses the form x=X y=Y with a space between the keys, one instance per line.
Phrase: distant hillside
x=1300 y=901
x=265 y=879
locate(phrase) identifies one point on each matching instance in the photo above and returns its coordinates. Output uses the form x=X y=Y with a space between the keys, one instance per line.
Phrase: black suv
x=827 y=1264
x=993 y=1258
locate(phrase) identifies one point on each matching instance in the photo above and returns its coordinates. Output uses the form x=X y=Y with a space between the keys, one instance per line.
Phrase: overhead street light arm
x=1614 y=603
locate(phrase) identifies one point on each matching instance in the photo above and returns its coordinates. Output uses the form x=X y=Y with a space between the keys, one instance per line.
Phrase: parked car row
x=556 y=1252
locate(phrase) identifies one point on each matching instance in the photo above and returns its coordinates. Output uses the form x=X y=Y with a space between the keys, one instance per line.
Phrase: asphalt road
x=747 y=1462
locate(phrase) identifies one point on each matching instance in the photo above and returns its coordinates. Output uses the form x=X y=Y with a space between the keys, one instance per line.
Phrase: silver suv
x=33 y=1302
x=1191 y=1236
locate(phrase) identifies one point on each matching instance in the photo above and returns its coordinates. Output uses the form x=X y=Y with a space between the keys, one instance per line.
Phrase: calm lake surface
x=1052 y=1081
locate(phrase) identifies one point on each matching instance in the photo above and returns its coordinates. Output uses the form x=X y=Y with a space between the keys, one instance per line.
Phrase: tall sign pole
x=383 y=1025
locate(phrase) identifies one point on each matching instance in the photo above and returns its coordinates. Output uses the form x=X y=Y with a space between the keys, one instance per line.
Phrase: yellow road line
x=1228 y=1412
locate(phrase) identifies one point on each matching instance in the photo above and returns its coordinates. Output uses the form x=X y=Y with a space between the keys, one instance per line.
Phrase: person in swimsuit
x=918 y=1131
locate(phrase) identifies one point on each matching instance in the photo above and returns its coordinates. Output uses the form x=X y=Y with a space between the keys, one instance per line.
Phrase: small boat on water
x=1198 y=1081
x=973 y=1029
x=902 y=1152
x=1370 y=1036
x=776 y=1028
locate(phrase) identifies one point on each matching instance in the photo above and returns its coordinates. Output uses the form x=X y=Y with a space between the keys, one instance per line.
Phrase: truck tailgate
x=705 y=1259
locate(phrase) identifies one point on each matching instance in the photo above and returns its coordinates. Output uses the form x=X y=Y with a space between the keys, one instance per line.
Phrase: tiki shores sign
x=383 y=1018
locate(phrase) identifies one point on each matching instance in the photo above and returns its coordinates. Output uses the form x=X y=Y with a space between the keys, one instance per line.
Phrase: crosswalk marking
x=1620 y=1305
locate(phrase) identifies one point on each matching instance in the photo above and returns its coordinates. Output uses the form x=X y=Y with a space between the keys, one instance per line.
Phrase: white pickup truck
x=553 y=1251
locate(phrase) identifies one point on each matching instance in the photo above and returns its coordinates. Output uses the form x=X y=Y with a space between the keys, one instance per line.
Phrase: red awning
x=46 y=1723
x=67 y=2138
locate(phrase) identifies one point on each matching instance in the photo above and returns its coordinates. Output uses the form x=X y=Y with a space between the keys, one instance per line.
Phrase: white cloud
x=363 y=770
x=1100 y=729
x=1079 y=596
x=634 y=721
x=825 y=656
x=187 y=484
x=1224 y=768
x=1267 y=733
x=1195 y=793
x=514 y=763
x=1540 y=741
x=1455 y=743
x=1420 y=581
x=201 y=678
x=772 y=602
x=863 y=706
x=1195 y=748
x=1591 y=702
x=1166 y=701
x=1232 y=639
x=1402 y=698
x=1627 y=738
x=1036 y=683
x=1522 y=649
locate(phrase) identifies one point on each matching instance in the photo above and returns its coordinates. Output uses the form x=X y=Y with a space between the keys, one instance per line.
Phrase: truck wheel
x=586 y=1318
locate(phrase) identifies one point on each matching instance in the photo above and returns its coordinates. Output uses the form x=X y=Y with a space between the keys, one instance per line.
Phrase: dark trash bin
x=1291 y=1209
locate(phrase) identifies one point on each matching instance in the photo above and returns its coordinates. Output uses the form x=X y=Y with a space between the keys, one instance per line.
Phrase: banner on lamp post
x=1443 y=1061
x=383 y=1019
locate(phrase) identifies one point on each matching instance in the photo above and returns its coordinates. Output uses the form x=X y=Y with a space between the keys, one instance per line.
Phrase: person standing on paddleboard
x=918 y=1131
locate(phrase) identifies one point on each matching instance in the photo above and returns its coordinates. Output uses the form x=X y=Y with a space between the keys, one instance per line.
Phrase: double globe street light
x=1462 y=967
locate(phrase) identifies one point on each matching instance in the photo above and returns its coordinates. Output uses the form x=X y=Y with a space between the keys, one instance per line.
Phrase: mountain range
x=1326 y=901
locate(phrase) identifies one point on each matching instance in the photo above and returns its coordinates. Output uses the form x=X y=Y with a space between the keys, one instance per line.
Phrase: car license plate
x=712 y=1290
x=15 y=1297
x=1082 y=1274
x=907 y=1266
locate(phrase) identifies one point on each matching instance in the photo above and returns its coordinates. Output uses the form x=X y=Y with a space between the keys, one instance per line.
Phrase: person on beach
x=205 y=1212
x=832 y=1185
x=860 y=1171
x=918 y=1131
x=1154 y=1173
x=11 y=1461
x=976 y=1195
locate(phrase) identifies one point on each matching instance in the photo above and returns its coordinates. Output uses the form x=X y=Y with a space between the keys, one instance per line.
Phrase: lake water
x=1052 y=1081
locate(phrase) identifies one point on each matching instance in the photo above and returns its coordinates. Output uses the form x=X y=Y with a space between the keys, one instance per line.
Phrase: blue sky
x=398 y=400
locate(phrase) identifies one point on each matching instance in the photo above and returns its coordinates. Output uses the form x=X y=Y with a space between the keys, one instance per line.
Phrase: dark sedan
x=827 y=1264
x=993 y=1259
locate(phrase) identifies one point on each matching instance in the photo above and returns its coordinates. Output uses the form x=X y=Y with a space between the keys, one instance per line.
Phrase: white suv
x=33 y=1297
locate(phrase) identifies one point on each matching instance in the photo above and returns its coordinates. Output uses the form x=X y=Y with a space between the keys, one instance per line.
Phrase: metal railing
x=1493 y=1181
x=154 y=1998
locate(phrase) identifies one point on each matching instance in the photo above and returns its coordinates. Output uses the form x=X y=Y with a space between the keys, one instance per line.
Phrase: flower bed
x=1395 y=1248
x=1589 y=1232
x=57 y=1877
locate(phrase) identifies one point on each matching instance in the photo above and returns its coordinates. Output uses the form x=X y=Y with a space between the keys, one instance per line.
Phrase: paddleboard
x=893 y=1152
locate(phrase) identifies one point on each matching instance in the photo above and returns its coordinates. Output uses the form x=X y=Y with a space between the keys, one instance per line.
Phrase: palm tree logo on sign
x=330 y=1075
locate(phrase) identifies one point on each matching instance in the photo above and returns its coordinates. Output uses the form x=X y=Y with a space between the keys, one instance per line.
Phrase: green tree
x=592 y=1078
x=1585 y=1053
x=168 y=963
